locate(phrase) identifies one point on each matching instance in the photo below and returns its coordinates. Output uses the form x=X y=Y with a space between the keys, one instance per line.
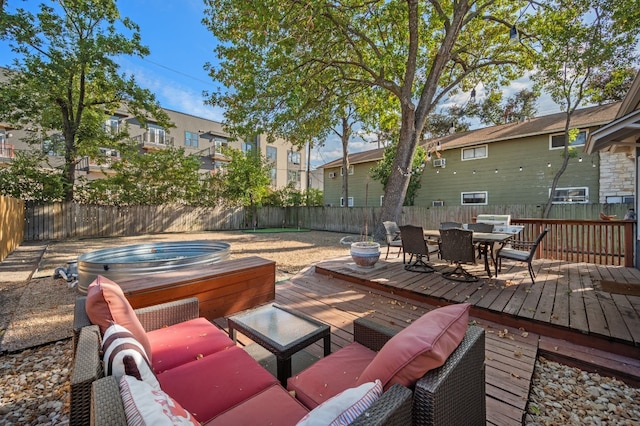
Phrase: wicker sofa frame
x=451 y=394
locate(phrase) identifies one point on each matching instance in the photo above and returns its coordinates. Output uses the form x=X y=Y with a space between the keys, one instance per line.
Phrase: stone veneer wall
x=617 y=175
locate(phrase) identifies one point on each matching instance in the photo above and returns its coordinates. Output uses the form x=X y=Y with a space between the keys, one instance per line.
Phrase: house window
x=342 y=201
x=351 y=170
x=293 y=157
x=112 y=125
x=273 y=173
x=191 y=139
x=293 y=176
x=157 y=135
x=620 y=199
x=557 y=141
x=219 y=141
x=474 y=198
x=272 y=154
x=248 y=147
x=570 y=195
x=53 y=146
x=475 y=153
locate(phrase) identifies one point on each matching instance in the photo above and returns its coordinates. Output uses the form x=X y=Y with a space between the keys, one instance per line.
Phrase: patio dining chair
x=413 y=242
x=449 y=225
x=481 y=227
x=522 y=251
x=456 y=245
x=394 y=239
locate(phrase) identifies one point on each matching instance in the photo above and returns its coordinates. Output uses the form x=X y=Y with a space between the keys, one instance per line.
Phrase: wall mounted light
x=580 y=160
x=548 y=164
x=496 y=170
x=474 y=172
x=520 y=168
x=455 y=172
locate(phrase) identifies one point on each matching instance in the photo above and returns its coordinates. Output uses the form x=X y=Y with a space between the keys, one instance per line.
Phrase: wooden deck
x=510 y=353
x=565 y=302
x=335 y=293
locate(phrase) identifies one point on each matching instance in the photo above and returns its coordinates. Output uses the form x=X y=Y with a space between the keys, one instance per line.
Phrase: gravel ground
x=35 y=380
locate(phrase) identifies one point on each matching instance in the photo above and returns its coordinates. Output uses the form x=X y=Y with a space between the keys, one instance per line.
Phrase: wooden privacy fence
x=12 y=225
x=71 y=220
x=580 y=238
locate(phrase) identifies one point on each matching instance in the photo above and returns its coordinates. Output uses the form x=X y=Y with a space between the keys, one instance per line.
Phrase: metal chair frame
x=521 y=255
x=413 y=242
x=456 y=245
x=393 y=236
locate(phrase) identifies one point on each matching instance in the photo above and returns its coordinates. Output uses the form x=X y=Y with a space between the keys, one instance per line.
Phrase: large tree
x=282 y=62
x=65 y=79
x=579 y=41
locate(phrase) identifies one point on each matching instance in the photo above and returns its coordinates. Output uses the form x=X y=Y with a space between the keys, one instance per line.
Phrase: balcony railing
x=7 y=151
x=154 y=140
x=590 y=241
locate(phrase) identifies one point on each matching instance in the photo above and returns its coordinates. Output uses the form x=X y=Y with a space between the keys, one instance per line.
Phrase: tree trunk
x=344 y=137
x=399 y=177
x=563 y=167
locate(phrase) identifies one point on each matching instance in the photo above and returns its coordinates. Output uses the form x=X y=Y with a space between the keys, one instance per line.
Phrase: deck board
x=510 y=359
x=336 y=294
x=565 y=295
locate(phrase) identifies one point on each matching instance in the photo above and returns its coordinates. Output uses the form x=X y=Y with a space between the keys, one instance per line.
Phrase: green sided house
x=513 y=163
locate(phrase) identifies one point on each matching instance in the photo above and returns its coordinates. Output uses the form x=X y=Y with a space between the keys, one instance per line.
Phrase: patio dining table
x=486 y=240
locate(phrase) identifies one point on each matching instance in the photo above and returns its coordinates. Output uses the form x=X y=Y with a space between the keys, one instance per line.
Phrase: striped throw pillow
x=345 y=407
x=124 y=355
x=144 y=405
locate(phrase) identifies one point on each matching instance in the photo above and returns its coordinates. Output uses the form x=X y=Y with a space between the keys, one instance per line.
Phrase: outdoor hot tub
x=143 y=259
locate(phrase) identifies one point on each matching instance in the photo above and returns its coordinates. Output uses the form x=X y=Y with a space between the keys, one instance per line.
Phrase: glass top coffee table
x=280 y=331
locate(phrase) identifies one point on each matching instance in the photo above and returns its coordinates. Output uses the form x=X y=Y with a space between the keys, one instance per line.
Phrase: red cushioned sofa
x=219 y=383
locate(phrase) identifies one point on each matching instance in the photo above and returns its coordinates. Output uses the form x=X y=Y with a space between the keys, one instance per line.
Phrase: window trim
x=551 y=147
x=352 y=170
x=586 y=195
x=486 y=198
x=486 y=150
x=290 y=157
x=189 y=139
x=349 y=201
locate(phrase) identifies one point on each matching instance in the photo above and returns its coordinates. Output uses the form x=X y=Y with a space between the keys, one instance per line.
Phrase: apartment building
x=199 y=136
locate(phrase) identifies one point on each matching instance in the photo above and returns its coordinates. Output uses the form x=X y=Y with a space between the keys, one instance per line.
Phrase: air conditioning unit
x=439 y=162
x=437 y=203
x=332 y=175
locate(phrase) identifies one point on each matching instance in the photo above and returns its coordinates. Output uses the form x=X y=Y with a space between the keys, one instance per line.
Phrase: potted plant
x=365 y=253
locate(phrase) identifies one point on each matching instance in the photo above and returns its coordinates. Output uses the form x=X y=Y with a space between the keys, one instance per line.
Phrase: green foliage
x=159 y=177
x=611 y=85
x=493 y=110
x=384 y=168
x=291 y=67
x=579 y=42
x=64 y=77
x=26 y=179
x=246 y=178
x=289 y=196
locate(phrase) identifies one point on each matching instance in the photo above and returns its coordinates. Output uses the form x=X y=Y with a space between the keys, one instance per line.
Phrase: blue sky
x=180 y=45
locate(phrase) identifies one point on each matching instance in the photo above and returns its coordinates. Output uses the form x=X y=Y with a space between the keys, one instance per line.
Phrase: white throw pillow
x=123 y=354
x=144 y=405
x=343 y=408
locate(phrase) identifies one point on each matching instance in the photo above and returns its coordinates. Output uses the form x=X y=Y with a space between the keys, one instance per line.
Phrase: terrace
x=566 y=315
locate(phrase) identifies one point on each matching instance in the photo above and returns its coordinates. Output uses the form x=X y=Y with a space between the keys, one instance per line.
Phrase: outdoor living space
x=540 y=319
